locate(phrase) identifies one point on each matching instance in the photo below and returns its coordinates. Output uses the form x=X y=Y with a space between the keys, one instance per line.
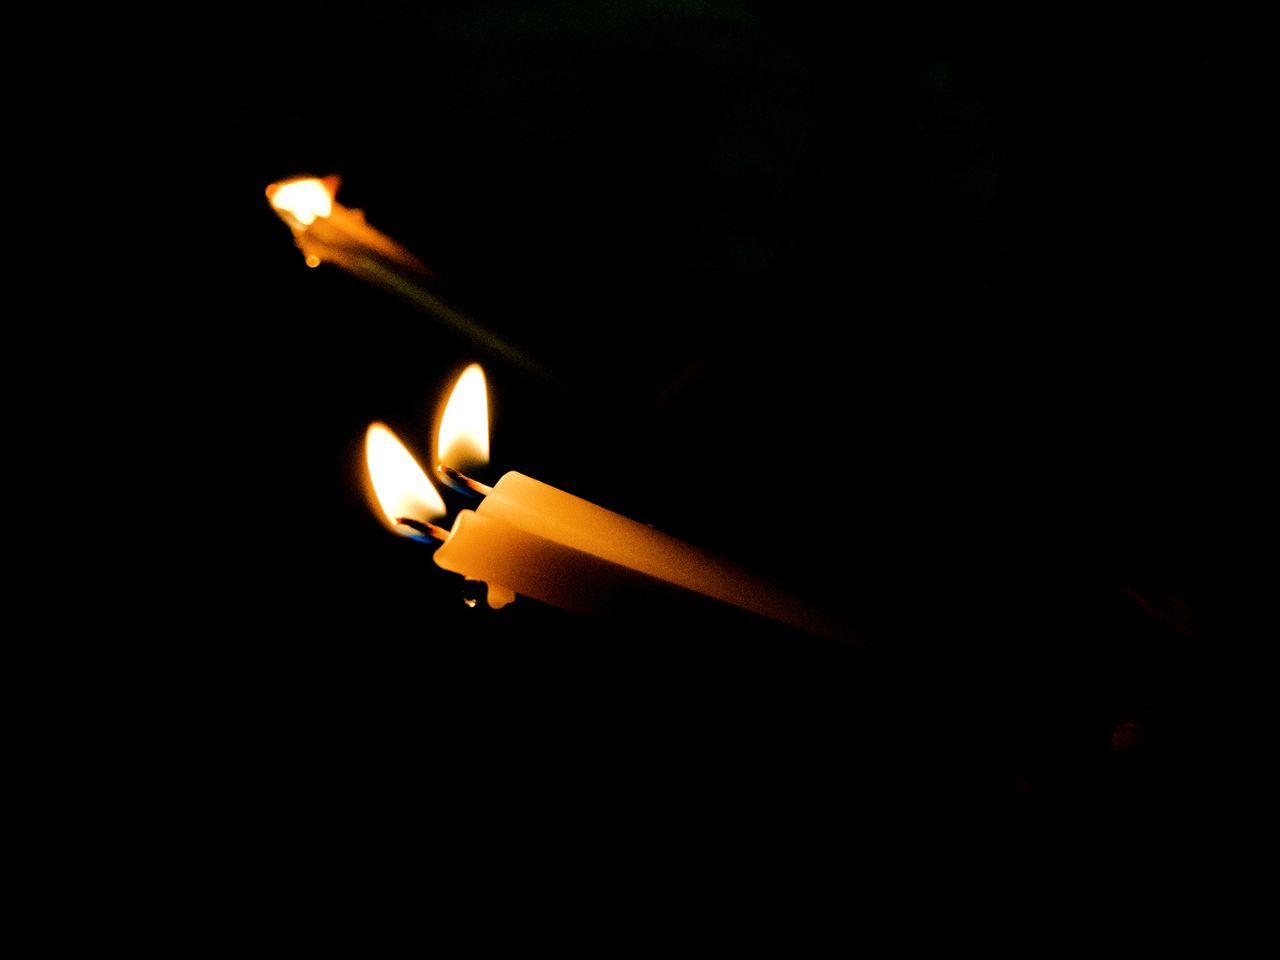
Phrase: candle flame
x=462 y=442
x=400 y=487
x=304 y=200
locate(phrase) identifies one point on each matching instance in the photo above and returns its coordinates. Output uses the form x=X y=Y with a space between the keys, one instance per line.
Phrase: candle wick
x=460 y=481
x=429 y=529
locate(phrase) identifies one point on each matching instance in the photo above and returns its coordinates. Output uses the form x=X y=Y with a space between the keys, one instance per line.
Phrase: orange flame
x=399 y=485
x=462 y=442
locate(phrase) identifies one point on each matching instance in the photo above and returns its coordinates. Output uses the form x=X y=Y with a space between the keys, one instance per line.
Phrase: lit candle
x=527 y=537
x=327 y=232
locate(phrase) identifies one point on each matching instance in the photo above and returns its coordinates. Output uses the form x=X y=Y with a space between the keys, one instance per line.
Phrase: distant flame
x=304 y=200
x=462 y=441
x=400 y=486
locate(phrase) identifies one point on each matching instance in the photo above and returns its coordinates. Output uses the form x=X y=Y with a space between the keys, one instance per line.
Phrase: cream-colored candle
x=528 y=537
x=530 y=506
x=327 y=232
x=513 y=560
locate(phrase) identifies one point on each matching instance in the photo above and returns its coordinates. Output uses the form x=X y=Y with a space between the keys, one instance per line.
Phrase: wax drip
x=494 y=594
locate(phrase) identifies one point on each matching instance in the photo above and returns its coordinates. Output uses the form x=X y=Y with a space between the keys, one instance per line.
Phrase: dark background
x=934 y=326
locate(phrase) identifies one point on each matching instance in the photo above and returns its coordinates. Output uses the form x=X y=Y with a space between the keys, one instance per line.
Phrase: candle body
x=512 y=559
x=555 y=534
x=345 y=238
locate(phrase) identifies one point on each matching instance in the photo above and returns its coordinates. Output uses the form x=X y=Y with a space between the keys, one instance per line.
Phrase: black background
x=931 y=325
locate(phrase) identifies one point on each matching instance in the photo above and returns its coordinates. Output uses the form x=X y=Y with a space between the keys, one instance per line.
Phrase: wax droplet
x=313 y=260
x=500 y=596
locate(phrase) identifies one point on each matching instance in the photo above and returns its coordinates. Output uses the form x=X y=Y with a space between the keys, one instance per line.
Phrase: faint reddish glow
x=1167 y=608
x=1126 y=737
